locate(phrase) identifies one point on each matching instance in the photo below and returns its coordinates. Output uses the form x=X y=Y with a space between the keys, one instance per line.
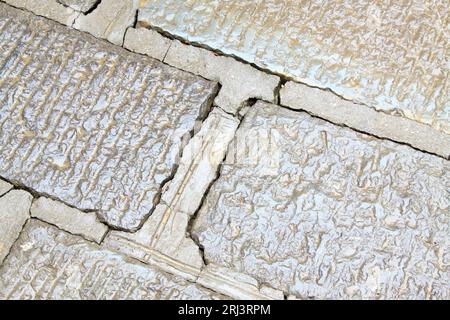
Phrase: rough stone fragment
x=147 y=42
x=47 y=263
x=14 y=211
x=163 y=238
x=327 y=105
x=388 y=55
x=47 y=8
x=323 y=211
x=239 y=81
x=69 y=219
x=79 y=5
x=4 y=187
x=90 y=123
x=109 y=20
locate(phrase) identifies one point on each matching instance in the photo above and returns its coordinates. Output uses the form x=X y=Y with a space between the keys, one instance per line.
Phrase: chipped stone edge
x=330 y=107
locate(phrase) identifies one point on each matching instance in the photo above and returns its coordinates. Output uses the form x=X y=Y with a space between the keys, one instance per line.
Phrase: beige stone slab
x=328 y=106
x=109 y=20
x=47 y=263
x=14 y=212
x=239 y=81
x=47 y=8
x=79 y=5
x=69 y=219
x=5 y=187
x=163 y=239
x=147 y=42
x=320 y=211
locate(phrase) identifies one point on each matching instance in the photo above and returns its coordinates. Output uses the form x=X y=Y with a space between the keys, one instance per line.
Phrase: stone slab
x=89 y=123
x=387 y=55
x=5 y=187
x=14 y=212
x=69 y=219
x=321 y=211
x=147 y=42
x=47 y=263
x=79 y=5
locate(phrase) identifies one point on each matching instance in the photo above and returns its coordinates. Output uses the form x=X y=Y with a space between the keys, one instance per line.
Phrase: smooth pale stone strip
x=48 y=263
x=79 y=5
x=47 y=8
x=5 y=187
x=163 y=239
x=330 y=107
x=147 y=42
x=236 y=285
x=109 y=20
x=14 y=212
x=69 y=219
x=239 y=81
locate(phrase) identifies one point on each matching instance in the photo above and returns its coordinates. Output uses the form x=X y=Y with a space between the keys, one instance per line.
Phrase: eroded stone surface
x=79 y=5
x=47 y=263
x=14 y=211
x=389 y=55
x=69 y=219
x=5 y=187
x=89 y=123
x=331 y=214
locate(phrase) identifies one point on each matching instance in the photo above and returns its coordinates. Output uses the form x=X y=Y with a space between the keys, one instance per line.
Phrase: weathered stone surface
x=47 y=8
x=327 y=105
x=5 y=187
x=239 y=81
x=47 y=263
x=69 y=219
x=90 y=123
x=79 y=5
x=331 y=214
x=147 y=42
x=14 y=211
x=386 y=54
x=163 y=238
x=109 y=20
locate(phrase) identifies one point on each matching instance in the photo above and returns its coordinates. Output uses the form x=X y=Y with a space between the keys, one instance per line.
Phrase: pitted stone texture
x=47 y=263
x=333 y=214
x=389 y=55
x=5 y=187
x=14 y=212
x=89 y=123
x=79 y=5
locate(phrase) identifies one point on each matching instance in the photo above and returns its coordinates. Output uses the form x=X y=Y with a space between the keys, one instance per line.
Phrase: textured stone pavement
x=155 y=168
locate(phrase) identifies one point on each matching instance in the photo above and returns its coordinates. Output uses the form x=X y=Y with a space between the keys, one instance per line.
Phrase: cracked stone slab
x=14 y=212
x=317 y=210
x=163 y=239
x=388 y=55
x=240 y=82
x=47 y=263
x=89 y=123
x=109 y=20
x=79 y=5
x=147 y=42
x=47 y=8
x=69 y=219
x=5 y=187
x=327 y=105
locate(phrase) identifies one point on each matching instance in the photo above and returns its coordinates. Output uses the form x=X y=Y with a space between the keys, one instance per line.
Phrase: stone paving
x=176 y=150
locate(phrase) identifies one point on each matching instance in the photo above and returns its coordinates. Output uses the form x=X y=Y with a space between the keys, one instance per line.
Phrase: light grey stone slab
x=90 y=123
x=69 y=219
x=317 y=210
x=5 y=187
x=147 y=42
x=327 y=105
x=47 y=263
x=109 y=20
x=79 y=5
x=388 y=55
x=14 y=212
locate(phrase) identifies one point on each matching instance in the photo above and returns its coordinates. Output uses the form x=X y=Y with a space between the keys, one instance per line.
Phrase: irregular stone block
x=327 y=105
x=90 y=123
x=163 y=239
x=388 y=55
x=69 y=219
x=79 y=5
x=109 y=20
x=239 y=81
x=147 y=42
x=47 y=263
x=4 y=187
x=14 y=212
x=317 y=210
